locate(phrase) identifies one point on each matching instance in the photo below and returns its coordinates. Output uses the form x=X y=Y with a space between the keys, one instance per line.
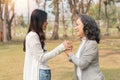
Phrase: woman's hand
x=68 y=47
x=68 y=51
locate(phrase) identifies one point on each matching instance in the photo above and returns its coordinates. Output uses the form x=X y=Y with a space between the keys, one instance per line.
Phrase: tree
x=8 y=19
x=55 y=35
x=106 y=3
x=98 y=17
x=107 y=18
x=117 y=15
x=19 y=21
x=63 y=21
x=6 y=8
x=38 y=3
x=85 y=7
x=1 y=22
x=73 y=11
x=45 y=4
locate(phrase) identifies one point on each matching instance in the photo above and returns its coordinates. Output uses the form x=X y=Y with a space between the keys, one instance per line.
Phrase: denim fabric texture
x=44 y=74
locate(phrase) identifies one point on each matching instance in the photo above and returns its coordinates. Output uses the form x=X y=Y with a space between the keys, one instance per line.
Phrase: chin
x=78 y=35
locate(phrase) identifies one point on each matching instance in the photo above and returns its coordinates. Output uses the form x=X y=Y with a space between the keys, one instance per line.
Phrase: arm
x=38 y=52
x=86 y=58
x=40 y=55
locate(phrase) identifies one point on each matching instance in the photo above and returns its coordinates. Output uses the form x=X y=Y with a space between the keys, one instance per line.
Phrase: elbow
x=83 y=65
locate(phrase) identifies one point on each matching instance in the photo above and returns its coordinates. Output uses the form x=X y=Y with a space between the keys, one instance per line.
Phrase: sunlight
x=20 y=6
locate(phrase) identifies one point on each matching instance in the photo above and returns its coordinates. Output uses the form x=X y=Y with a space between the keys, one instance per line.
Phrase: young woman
x=36 y=57
x=86 y=59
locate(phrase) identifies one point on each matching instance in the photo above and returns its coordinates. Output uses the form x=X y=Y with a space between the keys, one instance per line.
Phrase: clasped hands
x=68 y=47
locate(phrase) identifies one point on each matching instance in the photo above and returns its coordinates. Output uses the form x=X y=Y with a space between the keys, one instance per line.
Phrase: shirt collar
x=84 y=39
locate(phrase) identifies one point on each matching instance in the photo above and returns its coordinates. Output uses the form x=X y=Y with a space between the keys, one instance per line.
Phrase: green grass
x=12 y=60
x=112 y=74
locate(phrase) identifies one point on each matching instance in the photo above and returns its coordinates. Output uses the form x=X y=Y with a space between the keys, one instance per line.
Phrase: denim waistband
x=44 y=70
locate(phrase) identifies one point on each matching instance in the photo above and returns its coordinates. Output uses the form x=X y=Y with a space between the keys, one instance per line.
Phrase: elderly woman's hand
x=68 y=45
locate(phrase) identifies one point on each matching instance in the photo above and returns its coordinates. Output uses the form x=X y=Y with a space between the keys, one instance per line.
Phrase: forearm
x=53 y=53
x=79 y=62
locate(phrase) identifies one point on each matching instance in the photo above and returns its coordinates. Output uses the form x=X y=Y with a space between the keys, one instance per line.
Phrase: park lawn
x=12 y=59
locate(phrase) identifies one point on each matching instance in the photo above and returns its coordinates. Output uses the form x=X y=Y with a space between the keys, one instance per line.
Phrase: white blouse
x=79 y=71
x=35 y=58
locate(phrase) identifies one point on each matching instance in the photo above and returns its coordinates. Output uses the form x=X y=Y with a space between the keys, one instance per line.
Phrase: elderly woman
x=86 y=59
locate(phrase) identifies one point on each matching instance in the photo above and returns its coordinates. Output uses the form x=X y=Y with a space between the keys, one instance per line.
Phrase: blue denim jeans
x=44 y=74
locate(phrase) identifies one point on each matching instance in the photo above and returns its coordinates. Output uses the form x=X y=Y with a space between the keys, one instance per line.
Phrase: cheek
x=81 y=32
x=44 y=26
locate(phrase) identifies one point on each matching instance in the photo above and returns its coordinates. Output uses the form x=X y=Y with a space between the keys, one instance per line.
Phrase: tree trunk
x=63 y=21
x=107 y=19
x=117 y=17
x=55 y=35
x=5 y=24
x=1 y=31
x=5 y=31
x=45 y=5
x=88 y=6
x=72 y=8
x=98 y=16
x=82 y=6
x=1 y=24
x=9 y=26
x=9 y=36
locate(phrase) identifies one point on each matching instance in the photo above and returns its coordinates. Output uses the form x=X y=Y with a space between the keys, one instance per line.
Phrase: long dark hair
x=91 y=29
x=38 y=17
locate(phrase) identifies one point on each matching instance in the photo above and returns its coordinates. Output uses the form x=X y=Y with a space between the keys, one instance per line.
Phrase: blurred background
x=15 y=19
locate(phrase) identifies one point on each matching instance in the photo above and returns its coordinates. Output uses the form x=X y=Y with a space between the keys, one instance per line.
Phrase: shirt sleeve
x=86 y=58
x=38 y=52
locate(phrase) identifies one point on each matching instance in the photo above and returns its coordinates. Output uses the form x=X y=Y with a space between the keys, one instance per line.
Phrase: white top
x=35 y=58
x=79 y=71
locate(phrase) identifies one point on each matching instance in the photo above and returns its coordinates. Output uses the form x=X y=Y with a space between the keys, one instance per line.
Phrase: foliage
x=19 y=21
x=111 y=13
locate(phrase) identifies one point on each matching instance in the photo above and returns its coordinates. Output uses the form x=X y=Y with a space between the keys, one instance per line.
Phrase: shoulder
x=92 y=43
x=32 y=35
x=32 y=41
